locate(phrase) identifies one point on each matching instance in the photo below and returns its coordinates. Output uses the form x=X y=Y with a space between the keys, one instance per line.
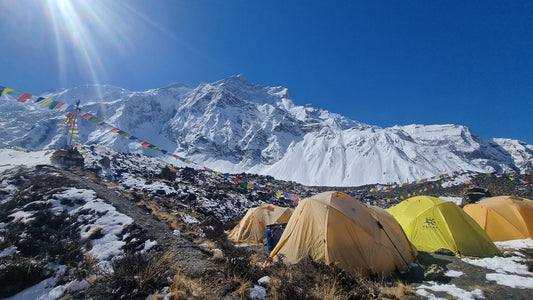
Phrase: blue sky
x=377 y=62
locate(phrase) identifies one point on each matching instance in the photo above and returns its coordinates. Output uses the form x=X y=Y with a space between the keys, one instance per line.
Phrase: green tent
x=431 y=223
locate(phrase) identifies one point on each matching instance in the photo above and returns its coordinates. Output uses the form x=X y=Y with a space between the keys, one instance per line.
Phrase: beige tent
x=251 y=229
x=504 y=217
x=334 y=228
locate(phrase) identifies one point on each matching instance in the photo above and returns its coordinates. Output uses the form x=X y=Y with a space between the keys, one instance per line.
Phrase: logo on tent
x=430 y=224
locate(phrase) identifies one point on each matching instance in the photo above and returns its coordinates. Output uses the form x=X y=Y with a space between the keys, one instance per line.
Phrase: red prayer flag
x=24 y=97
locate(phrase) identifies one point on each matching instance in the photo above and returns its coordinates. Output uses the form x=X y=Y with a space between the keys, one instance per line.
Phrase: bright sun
x=86 y=31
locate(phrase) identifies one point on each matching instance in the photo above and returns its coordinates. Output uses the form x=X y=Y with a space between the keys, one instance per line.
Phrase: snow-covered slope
x=233 y=125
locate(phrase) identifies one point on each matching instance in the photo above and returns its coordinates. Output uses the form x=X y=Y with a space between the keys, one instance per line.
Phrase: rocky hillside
x=128 y=226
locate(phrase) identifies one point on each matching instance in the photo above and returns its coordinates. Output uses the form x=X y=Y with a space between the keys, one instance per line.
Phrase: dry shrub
x=398 y=290
x=208 y=243
x=528 y=254
x=96 y=233
x=162 y=215
x=136 y=276
x=485 y=289
x=156 y=267
x=314 y=280
x=257 y=260
x=184 y=288
x=244 y=287
x=218 y=256
x=88 y=266
x=327 y=290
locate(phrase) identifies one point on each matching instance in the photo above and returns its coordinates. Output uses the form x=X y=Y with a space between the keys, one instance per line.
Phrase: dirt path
x=194 y=261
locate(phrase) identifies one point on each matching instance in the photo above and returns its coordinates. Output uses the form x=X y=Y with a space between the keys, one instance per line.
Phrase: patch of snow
x=453 y=273
x=506 y=265
x=148 y=245
x=456 y=200
x=189 y=219
x=515 y=244
x=428 y=295
x=22 y=216
x=71 y=287
x=257 y=292
x=96 y=214
x=38 y=291
x=10 y=158
x=450 y=289
x=9 y=251
x=510 y=280
x=153 y=187
x=263 y=280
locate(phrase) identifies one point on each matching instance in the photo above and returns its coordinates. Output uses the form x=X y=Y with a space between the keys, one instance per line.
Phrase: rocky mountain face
x=234 y=126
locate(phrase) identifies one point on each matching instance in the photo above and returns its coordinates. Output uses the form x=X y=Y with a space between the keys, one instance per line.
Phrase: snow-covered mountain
x=233 y=125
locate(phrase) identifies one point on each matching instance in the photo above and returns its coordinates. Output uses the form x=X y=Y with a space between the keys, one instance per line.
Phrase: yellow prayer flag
x=7 y=90
x=46 y=102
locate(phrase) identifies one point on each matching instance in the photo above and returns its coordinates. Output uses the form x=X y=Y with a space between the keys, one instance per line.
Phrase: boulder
x=473 y=194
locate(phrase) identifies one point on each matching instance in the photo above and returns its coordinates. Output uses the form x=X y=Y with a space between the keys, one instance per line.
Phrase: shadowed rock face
x=473 y=194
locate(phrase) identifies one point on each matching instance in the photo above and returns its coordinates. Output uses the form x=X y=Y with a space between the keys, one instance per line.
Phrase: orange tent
x=504 y=217
x=252 y=227
x=334 y=228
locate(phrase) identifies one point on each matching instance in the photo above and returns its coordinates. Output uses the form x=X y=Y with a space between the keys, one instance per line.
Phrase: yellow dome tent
x=504 y=217
x=251 y=228
x=431 y=223
x=334 y=228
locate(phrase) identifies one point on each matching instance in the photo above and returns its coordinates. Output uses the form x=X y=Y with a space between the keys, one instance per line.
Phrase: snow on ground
x=133 y=182
x=453 y=273
x=508 y=269
x=450 y=289
x=10 y=158
x=457 y=180
x=456 y=200
x=95 y=217
x=504 y=270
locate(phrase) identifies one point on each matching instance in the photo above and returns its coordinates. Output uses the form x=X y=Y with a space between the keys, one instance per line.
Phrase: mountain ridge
x=233 y=125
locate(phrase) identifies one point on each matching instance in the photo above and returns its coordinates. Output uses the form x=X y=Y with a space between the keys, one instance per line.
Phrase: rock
x=168 y=173
x=434 y=272
x=473 y=194
x=444 y=251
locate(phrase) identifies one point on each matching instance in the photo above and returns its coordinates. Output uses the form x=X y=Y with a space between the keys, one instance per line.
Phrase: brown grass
x=398 y=290
x=96 y=233
x=218 y=256
x=326 y=290
x=184 y=288
x=156 y=266
x=162 y=215
x=487 y=289
x=244 y=287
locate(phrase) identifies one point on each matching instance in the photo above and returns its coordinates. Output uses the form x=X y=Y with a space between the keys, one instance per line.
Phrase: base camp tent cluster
x=334 y=228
